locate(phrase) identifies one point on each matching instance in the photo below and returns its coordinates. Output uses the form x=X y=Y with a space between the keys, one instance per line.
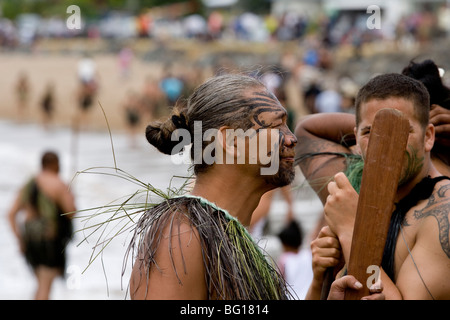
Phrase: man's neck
x=237 y=195
x=428 y=170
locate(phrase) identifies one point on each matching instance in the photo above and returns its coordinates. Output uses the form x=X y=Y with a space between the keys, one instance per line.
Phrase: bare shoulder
x=55 y=188
x=174 y=267
x=438 y=207
x=425 y=270
x=51 y=184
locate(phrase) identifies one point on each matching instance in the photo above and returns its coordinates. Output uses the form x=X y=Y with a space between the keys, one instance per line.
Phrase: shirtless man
x=421 y=253
x=43 y=199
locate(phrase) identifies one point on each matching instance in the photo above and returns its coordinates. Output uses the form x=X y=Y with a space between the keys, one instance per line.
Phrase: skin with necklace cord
x=422 y=252
x=238 y=102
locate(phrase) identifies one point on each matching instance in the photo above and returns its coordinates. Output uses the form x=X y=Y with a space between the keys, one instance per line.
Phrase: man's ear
x=429 y=137
x=355 y=131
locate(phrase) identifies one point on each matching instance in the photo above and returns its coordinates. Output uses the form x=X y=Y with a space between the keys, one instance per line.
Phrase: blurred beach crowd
x=139 y=58
x=315 y=54
x=303 y=49
x=335 y=22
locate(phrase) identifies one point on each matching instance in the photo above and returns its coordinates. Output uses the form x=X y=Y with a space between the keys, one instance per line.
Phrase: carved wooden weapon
x=382 y=170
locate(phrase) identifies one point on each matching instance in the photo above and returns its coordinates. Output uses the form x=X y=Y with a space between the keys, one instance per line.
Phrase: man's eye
x=276 y=124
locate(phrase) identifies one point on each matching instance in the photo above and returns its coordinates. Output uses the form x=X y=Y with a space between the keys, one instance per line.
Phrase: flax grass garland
x=235 y=266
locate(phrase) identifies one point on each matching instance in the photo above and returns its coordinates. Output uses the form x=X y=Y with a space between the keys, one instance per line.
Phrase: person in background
x=48 y=104
x=295 y=262
x=259 y=221
x=429 y=74
x=23 y=95
x=88 y=87
x=133 y=114
x=48 y=206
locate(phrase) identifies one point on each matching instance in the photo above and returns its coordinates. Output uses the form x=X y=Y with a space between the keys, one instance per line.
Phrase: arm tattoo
x=438 y=206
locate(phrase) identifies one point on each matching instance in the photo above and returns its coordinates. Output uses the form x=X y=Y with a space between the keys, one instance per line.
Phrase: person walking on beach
x=196 y=246
x=23 y=95
x=46 y=230
x=88 y=79
x=48 y=104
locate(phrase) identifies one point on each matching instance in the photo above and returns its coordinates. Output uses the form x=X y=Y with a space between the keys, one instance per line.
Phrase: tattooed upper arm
x=319 y=160
x=322 y=142
x=425 y=271
x=438 y=206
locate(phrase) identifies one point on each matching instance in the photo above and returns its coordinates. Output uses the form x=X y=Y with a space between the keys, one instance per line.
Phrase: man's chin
x=281 y=178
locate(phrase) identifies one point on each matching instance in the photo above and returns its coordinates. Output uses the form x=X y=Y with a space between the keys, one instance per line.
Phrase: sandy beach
x=61 y=71
x=56 y=62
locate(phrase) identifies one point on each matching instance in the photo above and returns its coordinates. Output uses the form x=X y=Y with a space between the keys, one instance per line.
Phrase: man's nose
x=291 y=139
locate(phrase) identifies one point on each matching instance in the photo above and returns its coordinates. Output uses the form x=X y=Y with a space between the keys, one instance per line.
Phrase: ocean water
x=21 y=146
x=87 y=161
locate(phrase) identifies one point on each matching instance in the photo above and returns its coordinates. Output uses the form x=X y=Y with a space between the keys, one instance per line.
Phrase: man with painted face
x=196 y=246
x=417 y=252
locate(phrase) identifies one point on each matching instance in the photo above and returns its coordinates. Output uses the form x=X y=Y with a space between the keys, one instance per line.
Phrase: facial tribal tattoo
x=265 y=102
x=413 y=165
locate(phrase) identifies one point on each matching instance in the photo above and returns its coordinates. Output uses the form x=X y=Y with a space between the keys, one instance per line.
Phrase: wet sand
x=61 y=71
x=20 y=156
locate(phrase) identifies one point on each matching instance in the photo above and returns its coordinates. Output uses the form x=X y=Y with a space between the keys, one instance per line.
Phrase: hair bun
x=180 y=121
x=161 y=134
